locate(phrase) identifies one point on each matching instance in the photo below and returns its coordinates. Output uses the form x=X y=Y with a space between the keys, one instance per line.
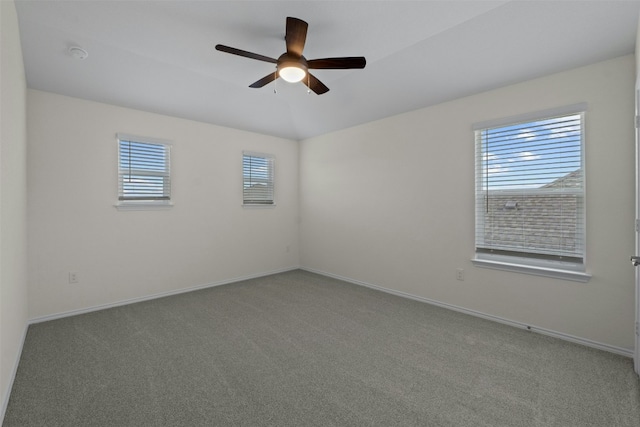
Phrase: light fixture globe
x=292 y=73
x=292 y=69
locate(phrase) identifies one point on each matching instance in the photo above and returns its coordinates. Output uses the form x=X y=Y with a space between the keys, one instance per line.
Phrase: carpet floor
x=300 y=349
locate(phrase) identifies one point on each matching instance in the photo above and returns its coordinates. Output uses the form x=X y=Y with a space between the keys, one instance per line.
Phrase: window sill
x=143 y=206
x=545 y=271
x=258 y=206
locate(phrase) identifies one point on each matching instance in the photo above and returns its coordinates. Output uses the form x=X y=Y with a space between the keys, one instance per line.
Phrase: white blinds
x=530 y=189
x=257 y=173
x=143 y=170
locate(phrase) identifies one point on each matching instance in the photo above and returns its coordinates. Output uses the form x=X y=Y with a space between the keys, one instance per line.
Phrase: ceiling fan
x=292 y=66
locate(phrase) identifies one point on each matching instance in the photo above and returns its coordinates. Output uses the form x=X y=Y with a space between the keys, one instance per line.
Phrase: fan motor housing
x=286 y=60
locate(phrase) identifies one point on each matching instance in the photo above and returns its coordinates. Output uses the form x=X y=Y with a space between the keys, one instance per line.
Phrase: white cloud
x=489 y=157
x=527 y=155
x=527 y=135
x=496 y=169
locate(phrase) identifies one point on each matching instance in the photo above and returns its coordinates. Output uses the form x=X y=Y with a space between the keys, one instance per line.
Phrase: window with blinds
x=530 y=189
x=257 y=182
x=143 y=170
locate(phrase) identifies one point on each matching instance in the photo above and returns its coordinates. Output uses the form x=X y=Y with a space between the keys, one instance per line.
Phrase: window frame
x=150 y=203
x=271 y=160
x=529 y=264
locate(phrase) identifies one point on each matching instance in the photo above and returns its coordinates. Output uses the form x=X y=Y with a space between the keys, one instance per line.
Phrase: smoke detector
x=78 y=52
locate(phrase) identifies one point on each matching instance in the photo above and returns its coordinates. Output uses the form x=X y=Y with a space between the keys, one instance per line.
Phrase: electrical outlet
x=459 y=274
x=73 y=277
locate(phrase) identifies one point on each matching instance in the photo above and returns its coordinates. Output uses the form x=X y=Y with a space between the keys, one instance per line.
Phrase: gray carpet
x=299 y=349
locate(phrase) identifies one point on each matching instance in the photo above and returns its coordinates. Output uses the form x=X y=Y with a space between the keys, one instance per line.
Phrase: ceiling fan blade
x=239 y=52
x=314 y=84
x=265 y=80
x=337 y=63
x=295 y=36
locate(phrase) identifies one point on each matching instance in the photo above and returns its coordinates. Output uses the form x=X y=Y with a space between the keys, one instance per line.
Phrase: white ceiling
x=159 y=56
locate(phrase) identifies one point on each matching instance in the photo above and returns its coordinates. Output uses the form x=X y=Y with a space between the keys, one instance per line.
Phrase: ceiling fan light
x=292 y=73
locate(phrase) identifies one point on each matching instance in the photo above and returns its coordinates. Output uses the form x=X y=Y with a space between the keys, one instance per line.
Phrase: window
x=257 y=182
x=143 y=171
x=530 y=192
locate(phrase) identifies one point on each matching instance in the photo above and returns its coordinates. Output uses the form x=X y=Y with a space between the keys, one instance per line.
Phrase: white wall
x=207 y=237
x=391 y=203
x=13 y=199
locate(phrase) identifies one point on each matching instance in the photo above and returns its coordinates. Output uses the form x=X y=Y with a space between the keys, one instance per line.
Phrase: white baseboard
x=578 y=340
x=14 y=371
x=567 y=337
x=154 y=296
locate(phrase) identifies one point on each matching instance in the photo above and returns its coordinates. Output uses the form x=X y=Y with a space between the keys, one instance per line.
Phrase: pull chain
x=275 y=81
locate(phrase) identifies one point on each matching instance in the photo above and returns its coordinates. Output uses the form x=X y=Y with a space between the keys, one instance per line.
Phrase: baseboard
x=14 y=371
x=154 y=296
x=578 y=340
x=567 y=337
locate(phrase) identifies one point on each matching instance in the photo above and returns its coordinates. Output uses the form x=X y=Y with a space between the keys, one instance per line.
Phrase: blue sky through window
x=256 y=170
x=530 y=155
